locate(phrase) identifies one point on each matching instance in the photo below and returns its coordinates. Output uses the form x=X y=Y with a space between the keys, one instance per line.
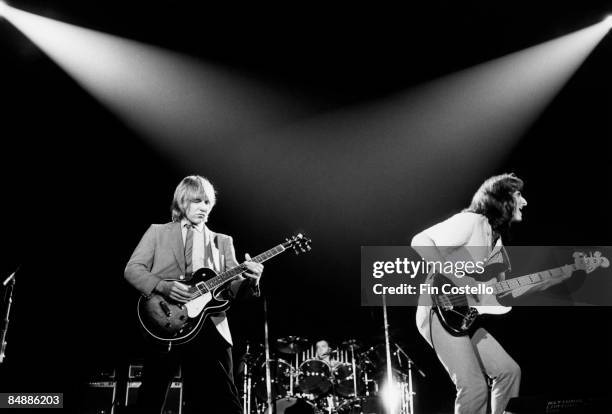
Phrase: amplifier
x=174 y=401
x=135 y=372
x=100 y=397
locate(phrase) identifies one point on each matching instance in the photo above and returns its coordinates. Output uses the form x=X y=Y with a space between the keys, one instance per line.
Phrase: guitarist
x=171 y=251
x=470 y=359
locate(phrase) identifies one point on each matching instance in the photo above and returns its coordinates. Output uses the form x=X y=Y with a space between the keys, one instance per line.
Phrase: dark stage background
x=80 y=188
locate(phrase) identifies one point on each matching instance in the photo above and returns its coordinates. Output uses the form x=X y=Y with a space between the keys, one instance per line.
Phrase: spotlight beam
x=157 y=92
x=3 y=8
x=411 y=150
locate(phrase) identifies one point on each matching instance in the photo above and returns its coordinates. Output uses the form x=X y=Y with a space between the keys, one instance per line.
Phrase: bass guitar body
x=458 y=312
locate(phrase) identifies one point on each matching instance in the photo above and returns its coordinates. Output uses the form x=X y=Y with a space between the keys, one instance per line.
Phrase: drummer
x=324 y=353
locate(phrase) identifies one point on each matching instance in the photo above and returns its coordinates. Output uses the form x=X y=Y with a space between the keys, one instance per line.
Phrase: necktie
x=189 y=249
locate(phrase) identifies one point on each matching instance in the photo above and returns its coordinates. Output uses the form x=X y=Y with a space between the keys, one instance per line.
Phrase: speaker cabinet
x=174 y=400
x=100 y=397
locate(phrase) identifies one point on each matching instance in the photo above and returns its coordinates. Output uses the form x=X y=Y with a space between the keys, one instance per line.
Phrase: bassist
x=479 y=230
x=174 y=251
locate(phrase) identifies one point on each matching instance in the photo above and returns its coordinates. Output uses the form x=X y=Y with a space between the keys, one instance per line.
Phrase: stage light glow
x=436 y=140
x=3 y=8
x=391 y=397
x=608 y=21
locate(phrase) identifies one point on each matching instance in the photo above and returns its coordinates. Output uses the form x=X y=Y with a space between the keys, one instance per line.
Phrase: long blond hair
x=190 y=188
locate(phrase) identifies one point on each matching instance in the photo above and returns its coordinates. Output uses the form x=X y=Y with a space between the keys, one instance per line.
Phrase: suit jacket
x=160 y=255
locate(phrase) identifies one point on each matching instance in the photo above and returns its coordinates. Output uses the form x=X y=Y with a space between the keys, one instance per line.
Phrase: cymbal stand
x=355 y=395
x=292 y=377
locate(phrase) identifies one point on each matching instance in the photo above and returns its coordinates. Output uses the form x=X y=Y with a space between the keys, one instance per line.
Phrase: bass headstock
x=590 y=262
x=299 y=243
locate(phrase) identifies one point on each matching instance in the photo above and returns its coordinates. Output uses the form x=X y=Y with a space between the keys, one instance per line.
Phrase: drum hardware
x=291 y=344
x=353 y=344
x=247 y=384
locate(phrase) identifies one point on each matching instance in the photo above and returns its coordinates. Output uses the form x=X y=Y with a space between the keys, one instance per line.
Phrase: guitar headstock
x=299 y=243
x=590 y=262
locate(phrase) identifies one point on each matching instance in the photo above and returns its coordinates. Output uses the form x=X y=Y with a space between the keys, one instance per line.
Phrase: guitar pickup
x=165 y=308
x=201 y=287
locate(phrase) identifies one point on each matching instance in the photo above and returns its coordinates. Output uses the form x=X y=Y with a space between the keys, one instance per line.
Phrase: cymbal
x=353 y=343
x=292 y=344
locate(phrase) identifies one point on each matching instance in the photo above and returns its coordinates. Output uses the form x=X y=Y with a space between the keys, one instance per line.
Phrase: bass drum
x=292 y=405
x=315 y=377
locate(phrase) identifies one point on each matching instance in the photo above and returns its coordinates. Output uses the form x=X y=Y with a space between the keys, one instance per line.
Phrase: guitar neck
x=527 y=280
x=228 y=275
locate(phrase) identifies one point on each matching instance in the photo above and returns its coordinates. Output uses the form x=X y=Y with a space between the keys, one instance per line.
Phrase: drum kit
x=344 y=380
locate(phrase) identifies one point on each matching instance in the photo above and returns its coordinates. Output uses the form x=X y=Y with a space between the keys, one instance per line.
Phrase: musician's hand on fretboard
x=254 y=269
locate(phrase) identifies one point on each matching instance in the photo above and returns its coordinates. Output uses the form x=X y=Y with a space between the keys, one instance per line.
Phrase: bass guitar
x=458 y=311
x=169 y=322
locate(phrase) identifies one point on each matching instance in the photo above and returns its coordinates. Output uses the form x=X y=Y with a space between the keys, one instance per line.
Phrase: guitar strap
x=498 y=259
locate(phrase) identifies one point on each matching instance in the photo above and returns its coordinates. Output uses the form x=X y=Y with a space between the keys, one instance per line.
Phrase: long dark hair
x=494 y=200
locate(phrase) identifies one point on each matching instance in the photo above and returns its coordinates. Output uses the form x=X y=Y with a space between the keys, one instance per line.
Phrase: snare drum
x=315 y=377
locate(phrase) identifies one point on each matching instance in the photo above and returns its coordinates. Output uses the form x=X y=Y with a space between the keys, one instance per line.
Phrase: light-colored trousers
x=468 y=362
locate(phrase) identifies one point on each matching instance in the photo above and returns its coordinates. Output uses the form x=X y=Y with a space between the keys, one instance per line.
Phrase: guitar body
x=169 y=322
x=458 y=312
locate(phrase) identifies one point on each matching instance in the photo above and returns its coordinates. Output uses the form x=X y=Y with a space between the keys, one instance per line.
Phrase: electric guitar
x=169 y=322
x=458 y=311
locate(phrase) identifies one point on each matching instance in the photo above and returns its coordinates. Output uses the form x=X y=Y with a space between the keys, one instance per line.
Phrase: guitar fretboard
x=228 y=275
x=530 y=279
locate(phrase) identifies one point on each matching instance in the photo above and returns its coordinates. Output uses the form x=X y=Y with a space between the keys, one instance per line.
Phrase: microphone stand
x=410 y=361
x=270 y=400
x=246 y=385
x=411 y=364
x=10 y=281
x=390 y=383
